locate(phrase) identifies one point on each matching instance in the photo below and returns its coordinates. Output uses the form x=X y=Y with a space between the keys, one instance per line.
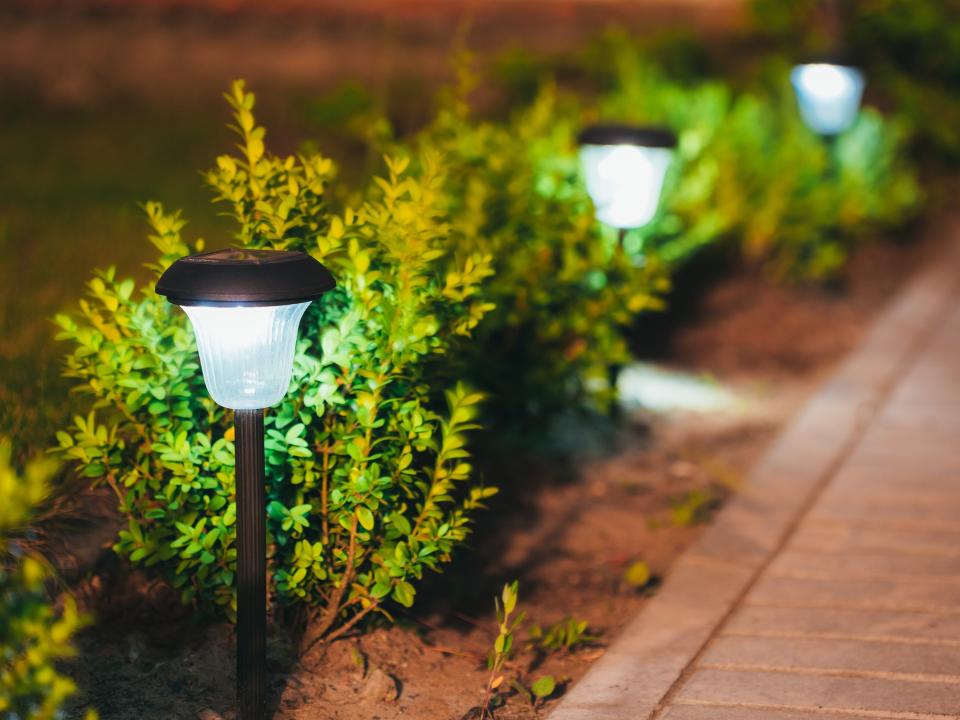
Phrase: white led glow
x=828 y=96
x=641 y=385
x=625 y=182
x=246 y=353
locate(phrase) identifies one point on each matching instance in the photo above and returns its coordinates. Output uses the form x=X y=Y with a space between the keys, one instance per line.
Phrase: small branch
x=113 y=484
x=324 y=490
x=343 y=629
x=334 y=605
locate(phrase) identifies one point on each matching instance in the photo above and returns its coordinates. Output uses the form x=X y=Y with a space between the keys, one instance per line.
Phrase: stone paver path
x=830 y=588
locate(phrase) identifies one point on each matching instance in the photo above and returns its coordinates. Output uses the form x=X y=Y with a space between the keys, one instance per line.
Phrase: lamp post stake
x=251 y=565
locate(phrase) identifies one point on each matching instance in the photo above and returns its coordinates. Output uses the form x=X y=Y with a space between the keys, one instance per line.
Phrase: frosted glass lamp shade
x=245 y=307
x=828 y=95
x=625 y=182
x=246 y=353
x=624 y=167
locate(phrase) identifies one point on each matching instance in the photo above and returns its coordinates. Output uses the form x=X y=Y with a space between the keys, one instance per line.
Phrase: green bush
x=368 y=477
x=563 y=289
x=33 y=636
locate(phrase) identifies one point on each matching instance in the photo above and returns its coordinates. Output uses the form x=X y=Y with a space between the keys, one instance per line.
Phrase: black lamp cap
x=839 y=59
x=235 y=276
x=621 y=134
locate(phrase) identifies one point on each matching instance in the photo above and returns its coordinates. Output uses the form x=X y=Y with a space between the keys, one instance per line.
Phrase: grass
x=71 y=183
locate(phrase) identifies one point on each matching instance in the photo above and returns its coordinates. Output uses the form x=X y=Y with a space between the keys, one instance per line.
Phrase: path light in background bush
x=828 y=95
x=625 y=167
x=245 y=307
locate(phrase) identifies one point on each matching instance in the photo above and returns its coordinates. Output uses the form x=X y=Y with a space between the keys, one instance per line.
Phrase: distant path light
x=624 y=168
x=828 y=95
x=245 y=307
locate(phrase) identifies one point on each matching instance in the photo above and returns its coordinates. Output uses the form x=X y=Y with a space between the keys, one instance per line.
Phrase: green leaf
x=365 y=517
x=544 y=686
x=380 y=590
x=403 y=593
x=510 y=597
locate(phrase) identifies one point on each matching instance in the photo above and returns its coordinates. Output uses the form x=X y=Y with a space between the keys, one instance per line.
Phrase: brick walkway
x=831 y=586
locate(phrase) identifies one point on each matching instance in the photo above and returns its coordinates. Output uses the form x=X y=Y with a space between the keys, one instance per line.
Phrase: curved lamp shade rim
x=231 y=302
x=839 y=60
x=245 y=278
x=624 y=134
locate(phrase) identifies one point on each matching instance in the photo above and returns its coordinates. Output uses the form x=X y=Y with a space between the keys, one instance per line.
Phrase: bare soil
x=567 y=527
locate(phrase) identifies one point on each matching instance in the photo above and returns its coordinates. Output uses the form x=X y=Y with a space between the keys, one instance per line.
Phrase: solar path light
x=245 y=307
x=829 y=96
x=625 y=167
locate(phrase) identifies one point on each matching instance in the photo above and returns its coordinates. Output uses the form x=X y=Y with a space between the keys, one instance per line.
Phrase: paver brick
x=864 y=565
x=903 y=479
x=938 y=517
x=719 y=712
x=835 y=538
x=913 y=500
x=904 y=459
x=822 y=692
x=789 y=592
x=916 y=627
x=835 y=654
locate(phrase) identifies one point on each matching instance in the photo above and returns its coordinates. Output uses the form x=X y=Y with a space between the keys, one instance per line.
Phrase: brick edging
x=638 y=671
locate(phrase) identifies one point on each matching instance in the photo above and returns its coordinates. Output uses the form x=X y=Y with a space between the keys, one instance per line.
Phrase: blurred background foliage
x=34 y=633
x=910 y=50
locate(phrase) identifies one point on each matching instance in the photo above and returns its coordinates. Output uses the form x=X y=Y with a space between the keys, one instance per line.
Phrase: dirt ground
x=567 y=528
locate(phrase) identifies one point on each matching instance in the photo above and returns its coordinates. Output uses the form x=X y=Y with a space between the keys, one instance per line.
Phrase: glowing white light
x=625 y=182
x=641 y=385
x=828 y=96
x=246 y=353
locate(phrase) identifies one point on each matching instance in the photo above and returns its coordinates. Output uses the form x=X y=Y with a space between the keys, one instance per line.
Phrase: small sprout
x=500 y=653
x=693 y=508
x=566 y=634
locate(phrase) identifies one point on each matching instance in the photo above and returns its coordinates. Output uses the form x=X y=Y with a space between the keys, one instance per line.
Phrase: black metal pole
x=613 y=371
x=833 y=163
x=251 y=566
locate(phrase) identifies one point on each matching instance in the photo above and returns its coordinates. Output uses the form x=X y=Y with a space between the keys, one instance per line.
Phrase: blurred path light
x=828 y=95
x=624 y=167
x=649 y=387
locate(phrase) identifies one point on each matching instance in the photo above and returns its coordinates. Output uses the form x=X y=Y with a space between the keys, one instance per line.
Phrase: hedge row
x=471 y=266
